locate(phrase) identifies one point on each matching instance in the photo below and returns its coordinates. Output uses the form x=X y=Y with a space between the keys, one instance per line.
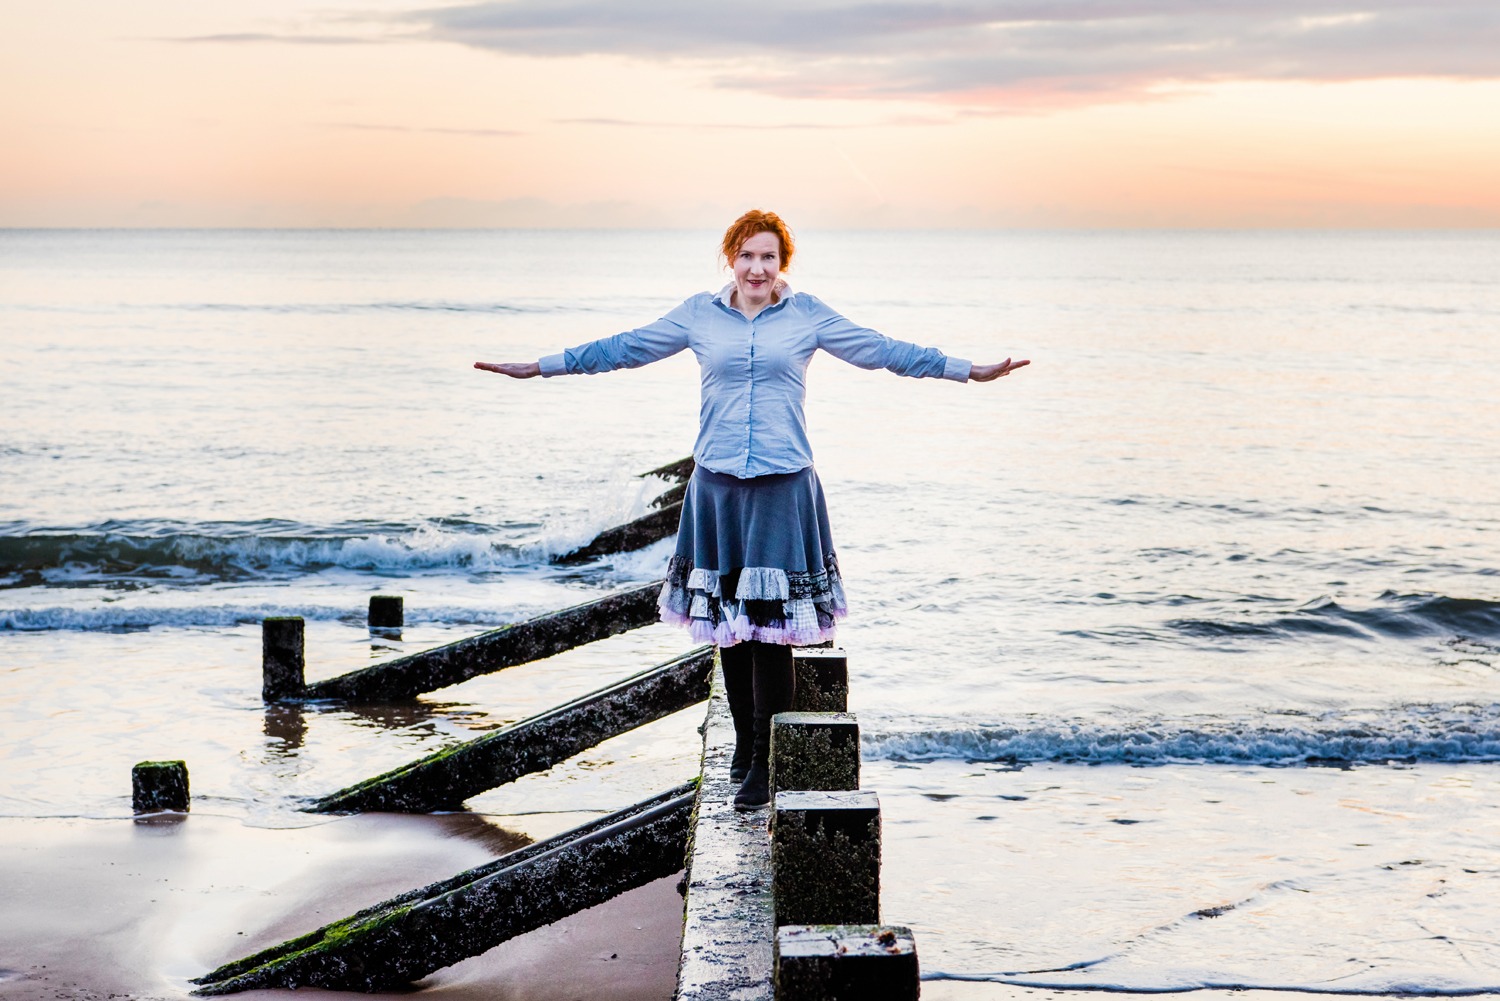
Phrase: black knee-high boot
x=739 y=688
x=775 y=685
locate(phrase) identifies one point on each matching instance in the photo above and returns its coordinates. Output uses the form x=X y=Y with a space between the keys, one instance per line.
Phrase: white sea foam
x=120 y=617
x=1182 y=980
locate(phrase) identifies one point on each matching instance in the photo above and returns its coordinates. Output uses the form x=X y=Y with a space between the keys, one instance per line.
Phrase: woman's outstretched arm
x=866 y=348
x=514 y=369
x=629 y=349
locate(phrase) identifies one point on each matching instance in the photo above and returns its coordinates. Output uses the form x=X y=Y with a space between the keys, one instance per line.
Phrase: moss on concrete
x=159 y=785
x=401 y=944
x=494 y=650
x=444 y=779
x=434 y=890
x=823 y=876
x=816 y=757
x=822 y=682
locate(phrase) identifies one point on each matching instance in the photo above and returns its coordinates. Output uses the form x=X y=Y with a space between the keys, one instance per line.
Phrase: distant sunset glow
x=524 y=113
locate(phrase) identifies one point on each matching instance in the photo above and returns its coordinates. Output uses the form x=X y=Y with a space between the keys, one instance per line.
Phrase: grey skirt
x=754 y=561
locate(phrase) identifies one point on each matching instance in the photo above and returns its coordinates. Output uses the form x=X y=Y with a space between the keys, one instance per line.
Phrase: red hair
x=753 y=222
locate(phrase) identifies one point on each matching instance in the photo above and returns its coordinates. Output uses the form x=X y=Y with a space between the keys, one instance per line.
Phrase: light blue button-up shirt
x=751 y=420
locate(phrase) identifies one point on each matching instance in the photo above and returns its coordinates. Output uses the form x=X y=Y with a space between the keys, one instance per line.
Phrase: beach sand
x=98 y=909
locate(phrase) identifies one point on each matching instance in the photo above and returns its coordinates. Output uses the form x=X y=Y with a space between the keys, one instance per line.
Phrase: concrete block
x=825 y=857
x=159 y=785
x=846 y=963
x=814 y=751
x=822 y=680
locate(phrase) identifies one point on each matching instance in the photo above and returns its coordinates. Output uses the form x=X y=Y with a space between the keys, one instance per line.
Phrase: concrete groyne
x=782 y=903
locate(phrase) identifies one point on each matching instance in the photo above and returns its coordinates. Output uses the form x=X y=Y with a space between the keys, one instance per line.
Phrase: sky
x=680 y=113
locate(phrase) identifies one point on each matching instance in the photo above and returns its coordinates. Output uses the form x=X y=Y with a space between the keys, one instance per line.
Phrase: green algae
x=282 y=970
x=337 y=954
x=823 y=876
x=159 y=785
x=446 y=778
x=812 y=756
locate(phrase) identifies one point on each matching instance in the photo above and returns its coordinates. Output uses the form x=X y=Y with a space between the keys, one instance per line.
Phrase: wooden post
x=387 y=611
x=825 y=858
x=846 y=963
x=822 y=680
x=281 y=663
x=159 y=785
x=814 y=751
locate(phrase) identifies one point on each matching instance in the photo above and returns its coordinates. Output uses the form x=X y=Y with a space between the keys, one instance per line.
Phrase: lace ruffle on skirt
x=766 y=604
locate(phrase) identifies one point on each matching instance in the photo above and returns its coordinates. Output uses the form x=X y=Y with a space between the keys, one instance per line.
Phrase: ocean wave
x=317 y=308
x=326 y=308
x=125 y=618
x=1412 y=733
x=1391 y=616
x=241 y=550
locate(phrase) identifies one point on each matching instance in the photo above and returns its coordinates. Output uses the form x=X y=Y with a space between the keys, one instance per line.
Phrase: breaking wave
x=241 y=550
x=1391 y=616
x=122 y=618
x=1409 y=733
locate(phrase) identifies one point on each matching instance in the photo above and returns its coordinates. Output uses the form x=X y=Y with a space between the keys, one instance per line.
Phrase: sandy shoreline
x=94 y=909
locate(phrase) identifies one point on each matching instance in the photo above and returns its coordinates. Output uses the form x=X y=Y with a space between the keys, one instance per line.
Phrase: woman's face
x=757 y=265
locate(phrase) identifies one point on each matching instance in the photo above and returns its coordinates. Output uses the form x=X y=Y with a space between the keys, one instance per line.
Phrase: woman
x=755 y=570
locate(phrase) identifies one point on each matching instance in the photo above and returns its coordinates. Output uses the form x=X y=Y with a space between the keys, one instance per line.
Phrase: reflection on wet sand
x=483 y=831
x=286 y=726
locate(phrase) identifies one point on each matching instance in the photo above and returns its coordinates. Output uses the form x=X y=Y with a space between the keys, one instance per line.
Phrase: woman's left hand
x=988 y=373
x=514 y=369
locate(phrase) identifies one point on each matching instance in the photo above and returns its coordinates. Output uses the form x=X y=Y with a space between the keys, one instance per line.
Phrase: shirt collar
x=781 y=288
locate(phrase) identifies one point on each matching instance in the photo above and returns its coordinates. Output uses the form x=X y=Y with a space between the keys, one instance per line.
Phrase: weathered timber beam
x=638 y=534
x=518 y=643
x=405 y=943
x=673 y=495
x=679 y=470
x=337 y=930
x=442 y=781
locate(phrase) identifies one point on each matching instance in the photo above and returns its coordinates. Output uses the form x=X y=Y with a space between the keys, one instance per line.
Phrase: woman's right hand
x=514 y=369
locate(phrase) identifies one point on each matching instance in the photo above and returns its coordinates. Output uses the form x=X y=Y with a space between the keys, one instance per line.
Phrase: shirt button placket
x=749 y=398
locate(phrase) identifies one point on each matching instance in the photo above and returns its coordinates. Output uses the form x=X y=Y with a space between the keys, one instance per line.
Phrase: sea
x=1176 y=654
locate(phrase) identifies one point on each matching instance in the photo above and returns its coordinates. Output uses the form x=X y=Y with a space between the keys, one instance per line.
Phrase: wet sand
x=98 y=909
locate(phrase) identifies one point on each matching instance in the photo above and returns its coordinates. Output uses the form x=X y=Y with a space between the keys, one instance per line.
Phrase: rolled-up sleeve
x=866 y=348
x=629 y=349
